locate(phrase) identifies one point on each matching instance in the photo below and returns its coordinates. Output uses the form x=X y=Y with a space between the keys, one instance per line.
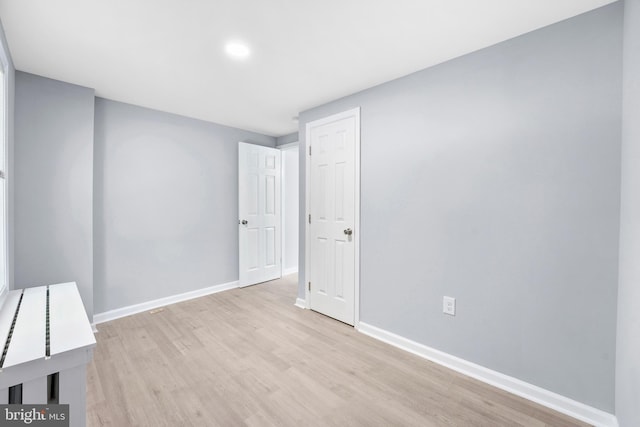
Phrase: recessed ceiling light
x=237 y=50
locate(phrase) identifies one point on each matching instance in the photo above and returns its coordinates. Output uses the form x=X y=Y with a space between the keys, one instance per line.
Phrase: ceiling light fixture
x=237 y=50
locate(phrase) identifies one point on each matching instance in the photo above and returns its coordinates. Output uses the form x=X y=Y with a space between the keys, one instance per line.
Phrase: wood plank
x=28 y=340
x=68 y=323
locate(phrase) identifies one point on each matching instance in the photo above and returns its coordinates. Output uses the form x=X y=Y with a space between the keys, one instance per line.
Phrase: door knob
x=348 y=232
x=244 y=222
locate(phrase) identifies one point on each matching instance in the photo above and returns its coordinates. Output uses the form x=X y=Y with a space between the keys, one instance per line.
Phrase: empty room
x=320 y=213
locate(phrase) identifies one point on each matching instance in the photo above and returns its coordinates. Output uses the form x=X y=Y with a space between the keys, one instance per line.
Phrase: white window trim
x=4 y=133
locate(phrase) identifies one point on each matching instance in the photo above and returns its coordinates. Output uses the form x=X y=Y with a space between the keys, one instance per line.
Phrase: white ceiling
x=169 y=54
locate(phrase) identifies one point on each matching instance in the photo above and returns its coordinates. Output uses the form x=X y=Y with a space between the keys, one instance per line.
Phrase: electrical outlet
x=449 y=305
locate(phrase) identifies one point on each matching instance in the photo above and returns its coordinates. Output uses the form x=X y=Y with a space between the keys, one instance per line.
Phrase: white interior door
x=333 y=226
x=259 y=207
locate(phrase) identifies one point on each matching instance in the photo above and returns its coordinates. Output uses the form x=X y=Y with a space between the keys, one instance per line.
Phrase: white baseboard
x=94 y=328
x=518 y=387
x=288 y=271
x=161 y=302
x=300 y=303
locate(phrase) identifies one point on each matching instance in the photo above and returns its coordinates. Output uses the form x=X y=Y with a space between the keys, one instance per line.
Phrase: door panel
x=332 y=204
x=259 y=179
x=270 y=246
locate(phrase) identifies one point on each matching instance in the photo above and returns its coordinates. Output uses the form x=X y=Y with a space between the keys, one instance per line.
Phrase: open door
x=259 y=207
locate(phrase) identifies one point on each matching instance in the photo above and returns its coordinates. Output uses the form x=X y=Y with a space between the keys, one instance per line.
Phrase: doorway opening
x=290 y=207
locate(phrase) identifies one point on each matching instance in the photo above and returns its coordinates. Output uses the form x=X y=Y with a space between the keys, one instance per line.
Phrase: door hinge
x=309 y=150
x=309 y=286
x=309 y=218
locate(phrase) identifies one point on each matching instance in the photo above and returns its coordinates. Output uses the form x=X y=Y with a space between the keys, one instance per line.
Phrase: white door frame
x=283 y=217
x=355 y=112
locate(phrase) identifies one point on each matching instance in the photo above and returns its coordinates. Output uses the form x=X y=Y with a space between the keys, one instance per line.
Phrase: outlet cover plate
x=449 y=306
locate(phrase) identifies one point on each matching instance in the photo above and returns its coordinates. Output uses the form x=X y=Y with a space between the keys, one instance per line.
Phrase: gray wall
x=291 y=192
x=166 y=204
x=5 y=54
x=494 y=178
x=628 y=344
x=53 y=184
x=287 y=139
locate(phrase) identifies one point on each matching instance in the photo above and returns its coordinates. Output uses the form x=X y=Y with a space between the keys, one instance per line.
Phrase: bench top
x=42 y=322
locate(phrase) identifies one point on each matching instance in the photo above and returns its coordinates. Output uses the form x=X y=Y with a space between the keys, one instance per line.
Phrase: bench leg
x=73 y=390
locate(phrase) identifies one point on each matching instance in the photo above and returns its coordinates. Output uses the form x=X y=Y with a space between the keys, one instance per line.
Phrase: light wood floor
x=249 y=357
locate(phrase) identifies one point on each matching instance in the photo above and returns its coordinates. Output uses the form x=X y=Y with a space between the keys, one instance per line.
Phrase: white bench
x=46 y=342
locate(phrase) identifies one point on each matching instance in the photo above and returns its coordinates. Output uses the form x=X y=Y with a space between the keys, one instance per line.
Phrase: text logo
x=34 y=415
